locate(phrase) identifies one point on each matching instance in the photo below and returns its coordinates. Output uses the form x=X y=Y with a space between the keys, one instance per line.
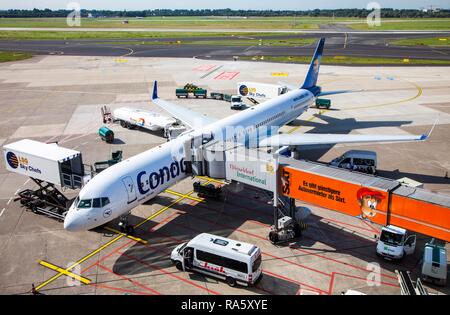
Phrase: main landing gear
x=124 y=226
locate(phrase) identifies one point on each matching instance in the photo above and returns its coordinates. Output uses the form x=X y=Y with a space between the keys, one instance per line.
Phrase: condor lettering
x=157 y=178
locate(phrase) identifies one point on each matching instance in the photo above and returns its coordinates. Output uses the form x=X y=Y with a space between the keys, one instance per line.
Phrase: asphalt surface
x=343 y=44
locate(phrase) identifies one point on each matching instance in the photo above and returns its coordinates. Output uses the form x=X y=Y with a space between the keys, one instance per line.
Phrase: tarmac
x=58 y=98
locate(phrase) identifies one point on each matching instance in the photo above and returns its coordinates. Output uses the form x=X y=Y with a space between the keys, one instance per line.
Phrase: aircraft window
x=85 y=203
x=75 y=202
x=105 y=201
x=96 y=203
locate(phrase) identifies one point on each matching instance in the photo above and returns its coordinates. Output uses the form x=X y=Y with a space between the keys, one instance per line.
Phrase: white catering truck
x=261 y=91
x=134 y=117
x=220 y=257
x=46 y=162
x=395 y=243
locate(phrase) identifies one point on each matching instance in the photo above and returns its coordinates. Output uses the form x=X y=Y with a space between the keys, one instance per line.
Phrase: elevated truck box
x=46 y=162
x=261 y=91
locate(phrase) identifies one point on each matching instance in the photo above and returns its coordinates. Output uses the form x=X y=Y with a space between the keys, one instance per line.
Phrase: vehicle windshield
x=391 y=238
x=182 y=247
x=366 y=162
x=256 y=264
x=236 y=99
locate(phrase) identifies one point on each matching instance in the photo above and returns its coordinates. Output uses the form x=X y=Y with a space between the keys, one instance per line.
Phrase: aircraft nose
x=73 y=222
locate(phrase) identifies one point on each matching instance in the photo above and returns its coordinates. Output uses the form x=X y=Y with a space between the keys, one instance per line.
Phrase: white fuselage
x=138 y=179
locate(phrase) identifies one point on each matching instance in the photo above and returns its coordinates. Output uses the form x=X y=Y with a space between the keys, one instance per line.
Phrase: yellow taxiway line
x=64 y=272
x=185 y=196
x=93 y=253
x=137 y=239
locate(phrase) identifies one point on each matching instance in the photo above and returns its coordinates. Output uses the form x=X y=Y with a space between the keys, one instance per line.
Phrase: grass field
x=13 y=56
x=175 y=23
x=61 y=35
x=405 y=24
x=344 y=60
x=435 y=42
x=232 y=23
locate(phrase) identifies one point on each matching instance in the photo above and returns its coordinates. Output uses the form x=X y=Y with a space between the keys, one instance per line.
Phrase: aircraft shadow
x=422 y=178
x=240 y=210
x=344 y=126
x=336 y=126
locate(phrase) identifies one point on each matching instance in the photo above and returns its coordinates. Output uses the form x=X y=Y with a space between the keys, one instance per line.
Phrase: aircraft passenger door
x=131 y=189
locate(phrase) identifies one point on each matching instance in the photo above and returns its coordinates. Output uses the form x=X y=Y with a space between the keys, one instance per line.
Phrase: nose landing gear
x=124 y=226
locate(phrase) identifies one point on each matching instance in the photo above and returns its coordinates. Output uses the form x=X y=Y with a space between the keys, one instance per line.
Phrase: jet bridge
x=235 y=163
x=381 y=200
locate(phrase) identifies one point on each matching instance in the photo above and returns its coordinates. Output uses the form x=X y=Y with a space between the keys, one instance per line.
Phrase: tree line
x=359 y=13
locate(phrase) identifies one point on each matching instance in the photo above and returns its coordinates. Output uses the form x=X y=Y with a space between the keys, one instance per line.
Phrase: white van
x=236 y=102
x=434 y=265
x=395 y=243
x=357 y=160
x=220 y=257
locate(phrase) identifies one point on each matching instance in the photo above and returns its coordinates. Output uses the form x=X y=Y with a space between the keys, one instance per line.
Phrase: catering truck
x=134 y=117
x=395 y=243
x=233 y=261
x=45 y=162
x=261 y=91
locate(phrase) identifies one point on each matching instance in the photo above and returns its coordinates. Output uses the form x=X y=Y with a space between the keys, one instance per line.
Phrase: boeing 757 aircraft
x=116 y=191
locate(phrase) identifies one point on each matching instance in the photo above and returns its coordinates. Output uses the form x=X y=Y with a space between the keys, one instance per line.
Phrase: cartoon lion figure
x=368 y=200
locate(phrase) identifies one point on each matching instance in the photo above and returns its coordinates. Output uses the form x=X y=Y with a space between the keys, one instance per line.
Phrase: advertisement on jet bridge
x=257 y=172
x=348 y=198
x=419 y=216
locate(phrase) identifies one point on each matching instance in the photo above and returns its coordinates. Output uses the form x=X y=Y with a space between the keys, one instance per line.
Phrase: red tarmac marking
x=130 y=280
x=226 y=76
x=168 y=273
x=273 y=256
x=294 y=281
x=106 y=256
x=204 y=68
x=103 y=286
x=333 y=278
x=371 y=227
x=301 y=250
x=163 y=222
x=297 y=249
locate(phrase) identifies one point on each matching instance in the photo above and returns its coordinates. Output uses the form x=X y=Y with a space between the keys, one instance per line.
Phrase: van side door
x=410 y=244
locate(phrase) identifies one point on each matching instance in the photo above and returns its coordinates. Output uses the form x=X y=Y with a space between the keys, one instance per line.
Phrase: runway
x=342 y=44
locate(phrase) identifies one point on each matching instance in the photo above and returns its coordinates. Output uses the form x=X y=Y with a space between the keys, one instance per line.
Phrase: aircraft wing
x=189 y=117
x=311 y=139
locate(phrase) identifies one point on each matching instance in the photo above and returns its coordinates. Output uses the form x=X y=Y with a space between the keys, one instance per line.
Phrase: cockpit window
x=87 y=203
x=76 y=201
x=105 y=201
x=96 y=203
